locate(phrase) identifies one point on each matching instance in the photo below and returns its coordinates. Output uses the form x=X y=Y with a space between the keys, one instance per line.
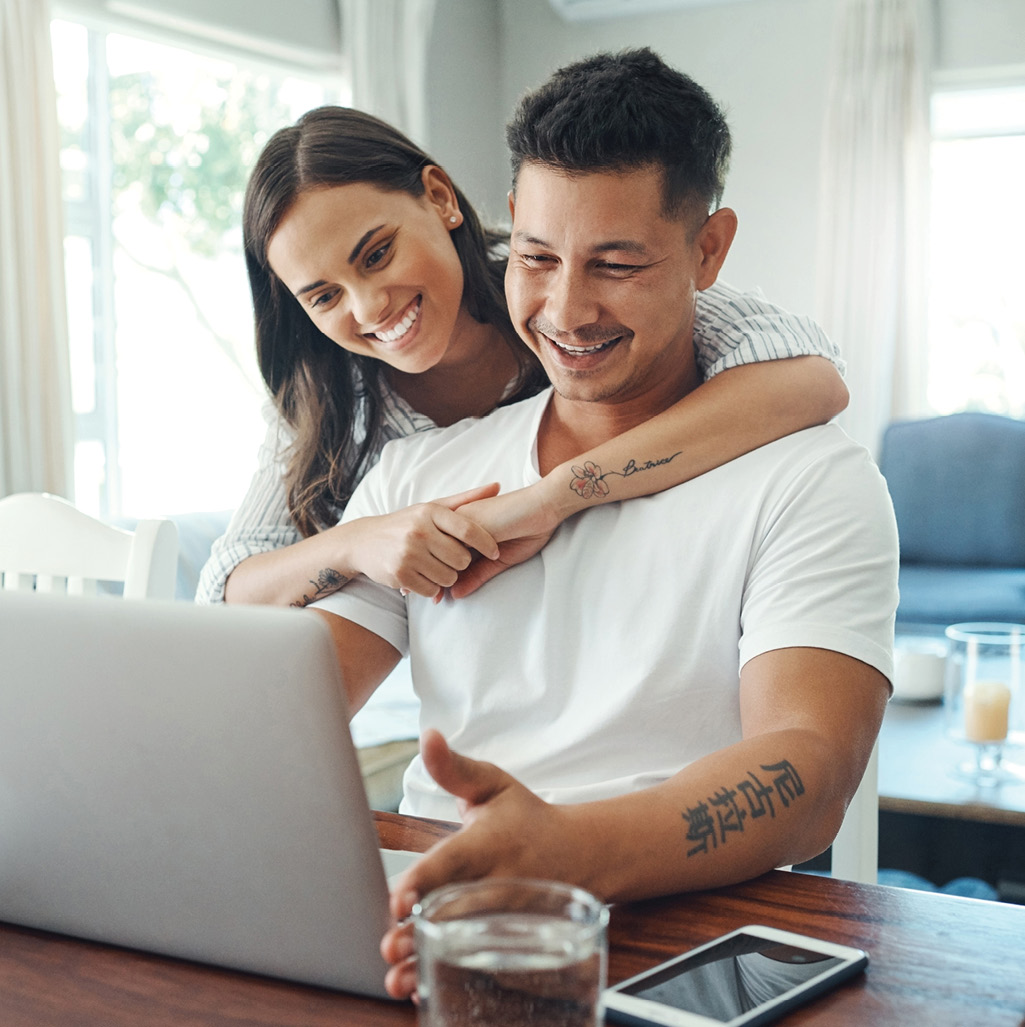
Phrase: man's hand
x=507 y=831
x=520 y=521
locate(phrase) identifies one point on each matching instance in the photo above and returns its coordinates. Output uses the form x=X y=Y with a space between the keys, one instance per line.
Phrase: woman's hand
x=423 y=548
x=521 y=522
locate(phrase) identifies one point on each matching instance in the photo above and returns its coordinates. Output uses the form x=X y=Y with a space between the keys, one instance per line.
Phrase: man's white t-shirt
x=612 y=658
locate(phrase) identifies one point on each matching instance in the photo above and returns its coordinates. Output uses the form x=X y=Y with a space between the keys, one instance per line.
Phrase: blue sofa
x=958 y=489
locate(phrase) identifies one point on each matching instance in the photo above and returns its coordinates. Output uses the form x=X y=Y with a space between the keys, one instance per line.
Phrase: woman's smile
x=375 y=270
x=401 y=328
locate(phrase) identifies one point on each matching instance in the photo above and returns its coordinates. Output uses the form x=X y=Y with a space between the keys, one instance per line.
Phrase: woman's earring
x=453 y=219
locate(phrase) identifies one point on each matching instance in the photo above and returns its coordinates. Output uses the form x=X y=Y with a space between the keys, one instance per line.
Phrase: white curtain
x=35 y=393
x=872 y=226
x=386 y=42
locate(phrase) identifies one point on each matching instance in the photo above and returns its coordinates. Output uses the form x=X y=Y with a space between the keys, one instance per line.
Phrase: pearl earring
x=453 y=219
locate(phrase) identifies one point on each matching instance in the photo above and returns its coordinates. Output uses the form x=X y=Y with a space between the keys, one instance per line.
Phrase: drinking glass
x=508 y=952
x=983 y=696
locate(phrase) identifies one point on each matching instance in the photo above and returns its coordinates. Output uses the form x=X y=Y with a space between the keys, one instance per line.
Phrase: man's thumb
x=470 y=780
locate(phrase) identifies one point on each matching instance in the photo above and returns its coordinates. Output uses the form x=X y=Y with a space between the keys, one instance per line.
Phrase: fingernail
x=403 y=592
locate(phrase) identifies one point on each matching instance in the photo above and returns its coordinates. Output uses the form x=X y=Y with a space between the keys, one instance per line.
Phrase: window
x=156 y=147
x=977 y=287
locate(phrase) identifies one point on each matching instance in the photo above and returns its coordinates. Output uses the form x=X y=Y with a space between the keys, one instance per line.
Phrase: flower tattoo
x=589 y=481
x=328 y=580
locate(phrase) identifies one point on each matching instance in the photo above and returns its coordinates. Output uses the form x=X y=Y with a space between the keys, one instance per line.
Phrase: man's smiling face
x=601 y=284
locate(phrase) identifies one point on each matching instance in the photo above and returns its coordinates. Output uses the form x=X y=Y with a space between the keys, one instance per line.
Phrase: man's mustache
x=585 y=335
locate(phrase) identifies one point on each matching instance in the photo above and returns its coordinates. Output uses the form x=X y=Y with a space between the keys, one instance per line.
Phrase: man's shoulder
x=824 y=457
x=821 y=442
x=445 y=461
x=470 y=432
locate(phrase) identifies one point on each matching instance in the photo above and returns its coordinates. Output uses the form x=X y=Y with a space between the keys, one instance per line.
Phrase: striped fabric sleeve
x=733 y=328
x=260 y=524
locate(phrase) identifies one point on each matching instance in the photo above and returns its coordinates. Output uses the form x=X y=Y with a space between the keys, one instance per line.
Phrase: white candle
x=986 y=705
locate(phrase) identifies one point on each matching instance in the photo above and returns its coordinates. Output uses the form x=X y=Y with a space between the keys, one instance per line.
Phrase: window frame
x=943 y=128
x=90 y=217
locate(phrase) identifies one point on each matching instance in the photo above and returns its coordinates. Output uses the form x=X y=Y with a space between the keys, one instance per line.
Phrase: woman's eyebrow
x=364 y=239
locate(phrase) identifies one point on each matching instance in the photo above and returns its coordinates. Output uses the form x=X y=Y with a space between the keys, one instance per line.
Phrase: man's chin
x=581 y=389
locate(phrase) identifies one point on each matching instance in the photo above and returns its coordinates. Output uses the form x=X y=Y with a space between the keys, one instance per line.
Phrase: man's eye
x=620 y=268
x=535 y=259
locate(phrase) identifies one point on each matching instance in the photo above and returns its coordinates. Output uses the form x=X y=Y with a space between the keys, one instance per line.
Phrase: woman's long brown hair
x=330 y=397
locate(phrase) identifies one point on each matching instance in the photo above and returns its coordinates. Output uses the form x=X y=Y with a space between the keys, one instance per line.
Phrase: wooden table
x=934 y=960
x=915 y=763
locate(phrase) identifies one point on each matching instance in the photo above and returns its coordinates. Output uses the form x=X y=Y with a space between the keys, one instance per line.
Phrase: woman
x=380 y=312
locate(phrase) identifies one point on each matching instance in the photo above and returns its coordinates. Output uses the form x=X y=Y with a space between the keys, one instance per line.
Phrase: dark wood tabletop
x=934 y=960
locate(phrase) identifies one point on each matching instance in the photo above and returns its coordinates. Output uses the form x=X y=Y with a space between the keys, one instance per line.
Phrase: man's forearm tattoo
x=589 y=480
x=712 y=822
x=328 y=581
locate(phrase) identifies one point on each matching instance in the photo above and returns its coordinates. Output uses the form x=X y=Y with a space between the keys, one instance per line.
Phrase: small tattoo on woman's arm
x=328 y=581
x=589 y=481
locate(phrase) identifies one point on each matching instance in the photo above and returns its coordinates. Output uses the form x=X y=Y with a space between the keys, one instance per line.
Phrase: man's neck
x=570 y=428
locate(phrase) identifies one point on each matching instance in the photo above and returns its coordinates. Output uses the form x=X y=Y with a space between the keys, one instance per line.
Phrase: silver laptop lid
x=181 y=779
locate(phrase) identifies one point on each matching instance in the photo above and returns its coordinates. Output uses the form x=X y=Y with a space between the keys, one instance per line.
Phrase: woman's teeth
x=396 y=333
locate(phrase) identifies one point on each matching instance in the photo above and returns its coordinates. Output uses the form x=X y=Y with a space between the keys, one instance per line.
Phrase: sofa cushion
x=949 y=595
x=958 y=484
x=197 y=532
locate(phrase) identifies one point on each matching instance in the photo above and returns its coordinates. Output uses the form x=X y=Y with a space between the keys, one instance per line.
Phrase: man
x=629 y=748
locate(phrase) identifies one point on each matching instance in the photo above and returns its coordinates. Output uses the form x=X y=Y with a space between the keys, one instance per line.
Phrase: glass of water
x=510 y=952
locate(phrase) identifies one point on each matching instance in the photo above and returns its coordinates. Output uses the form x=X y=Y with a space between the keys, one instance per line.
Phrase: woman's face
x=375 y=270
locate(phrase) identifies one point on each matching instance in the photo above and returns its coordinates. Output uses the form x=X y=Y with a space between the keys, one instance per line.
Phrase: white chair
x=855 y=855
x=48 y=545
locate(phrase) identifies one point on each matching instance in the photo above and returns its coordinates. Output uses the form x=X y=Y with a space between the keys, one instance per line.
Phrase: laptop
x=182 y=780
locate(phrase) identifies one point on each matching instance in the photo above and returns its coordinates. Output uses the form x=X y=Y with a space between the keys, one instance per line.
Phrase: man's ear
x=714 y=239
x=512 y=203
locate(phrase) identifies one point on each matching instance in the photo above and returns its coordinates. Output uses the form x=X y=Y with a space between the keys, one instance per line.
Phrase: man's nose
x=570 y=301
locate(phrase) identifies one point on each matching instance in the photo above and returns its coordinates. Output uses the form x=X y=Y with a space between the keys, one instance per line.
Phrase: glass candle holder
x=983 y=696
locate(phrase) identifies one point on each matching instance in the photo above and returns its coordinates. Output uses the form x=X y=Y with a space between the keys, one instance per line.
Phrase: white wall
x=978 y=34
x=767 y=61
x=466 y=119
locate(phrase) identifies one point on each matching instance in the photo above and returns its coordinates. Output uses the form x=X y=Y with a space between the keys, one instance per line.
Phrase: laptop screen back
x=182 y=780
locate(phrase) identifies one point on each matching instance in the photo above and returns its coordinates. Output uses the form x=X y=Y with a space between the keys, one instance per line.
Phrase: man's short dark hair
x=622 y=111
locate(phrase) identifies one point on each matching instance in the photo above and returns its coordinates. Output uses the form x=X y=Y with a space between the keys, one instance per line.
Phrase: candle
x=986 y=705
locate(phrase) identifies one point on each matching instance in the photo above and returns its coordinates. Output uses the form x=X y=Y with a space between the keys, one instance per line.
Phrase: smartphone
x=749 y=976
